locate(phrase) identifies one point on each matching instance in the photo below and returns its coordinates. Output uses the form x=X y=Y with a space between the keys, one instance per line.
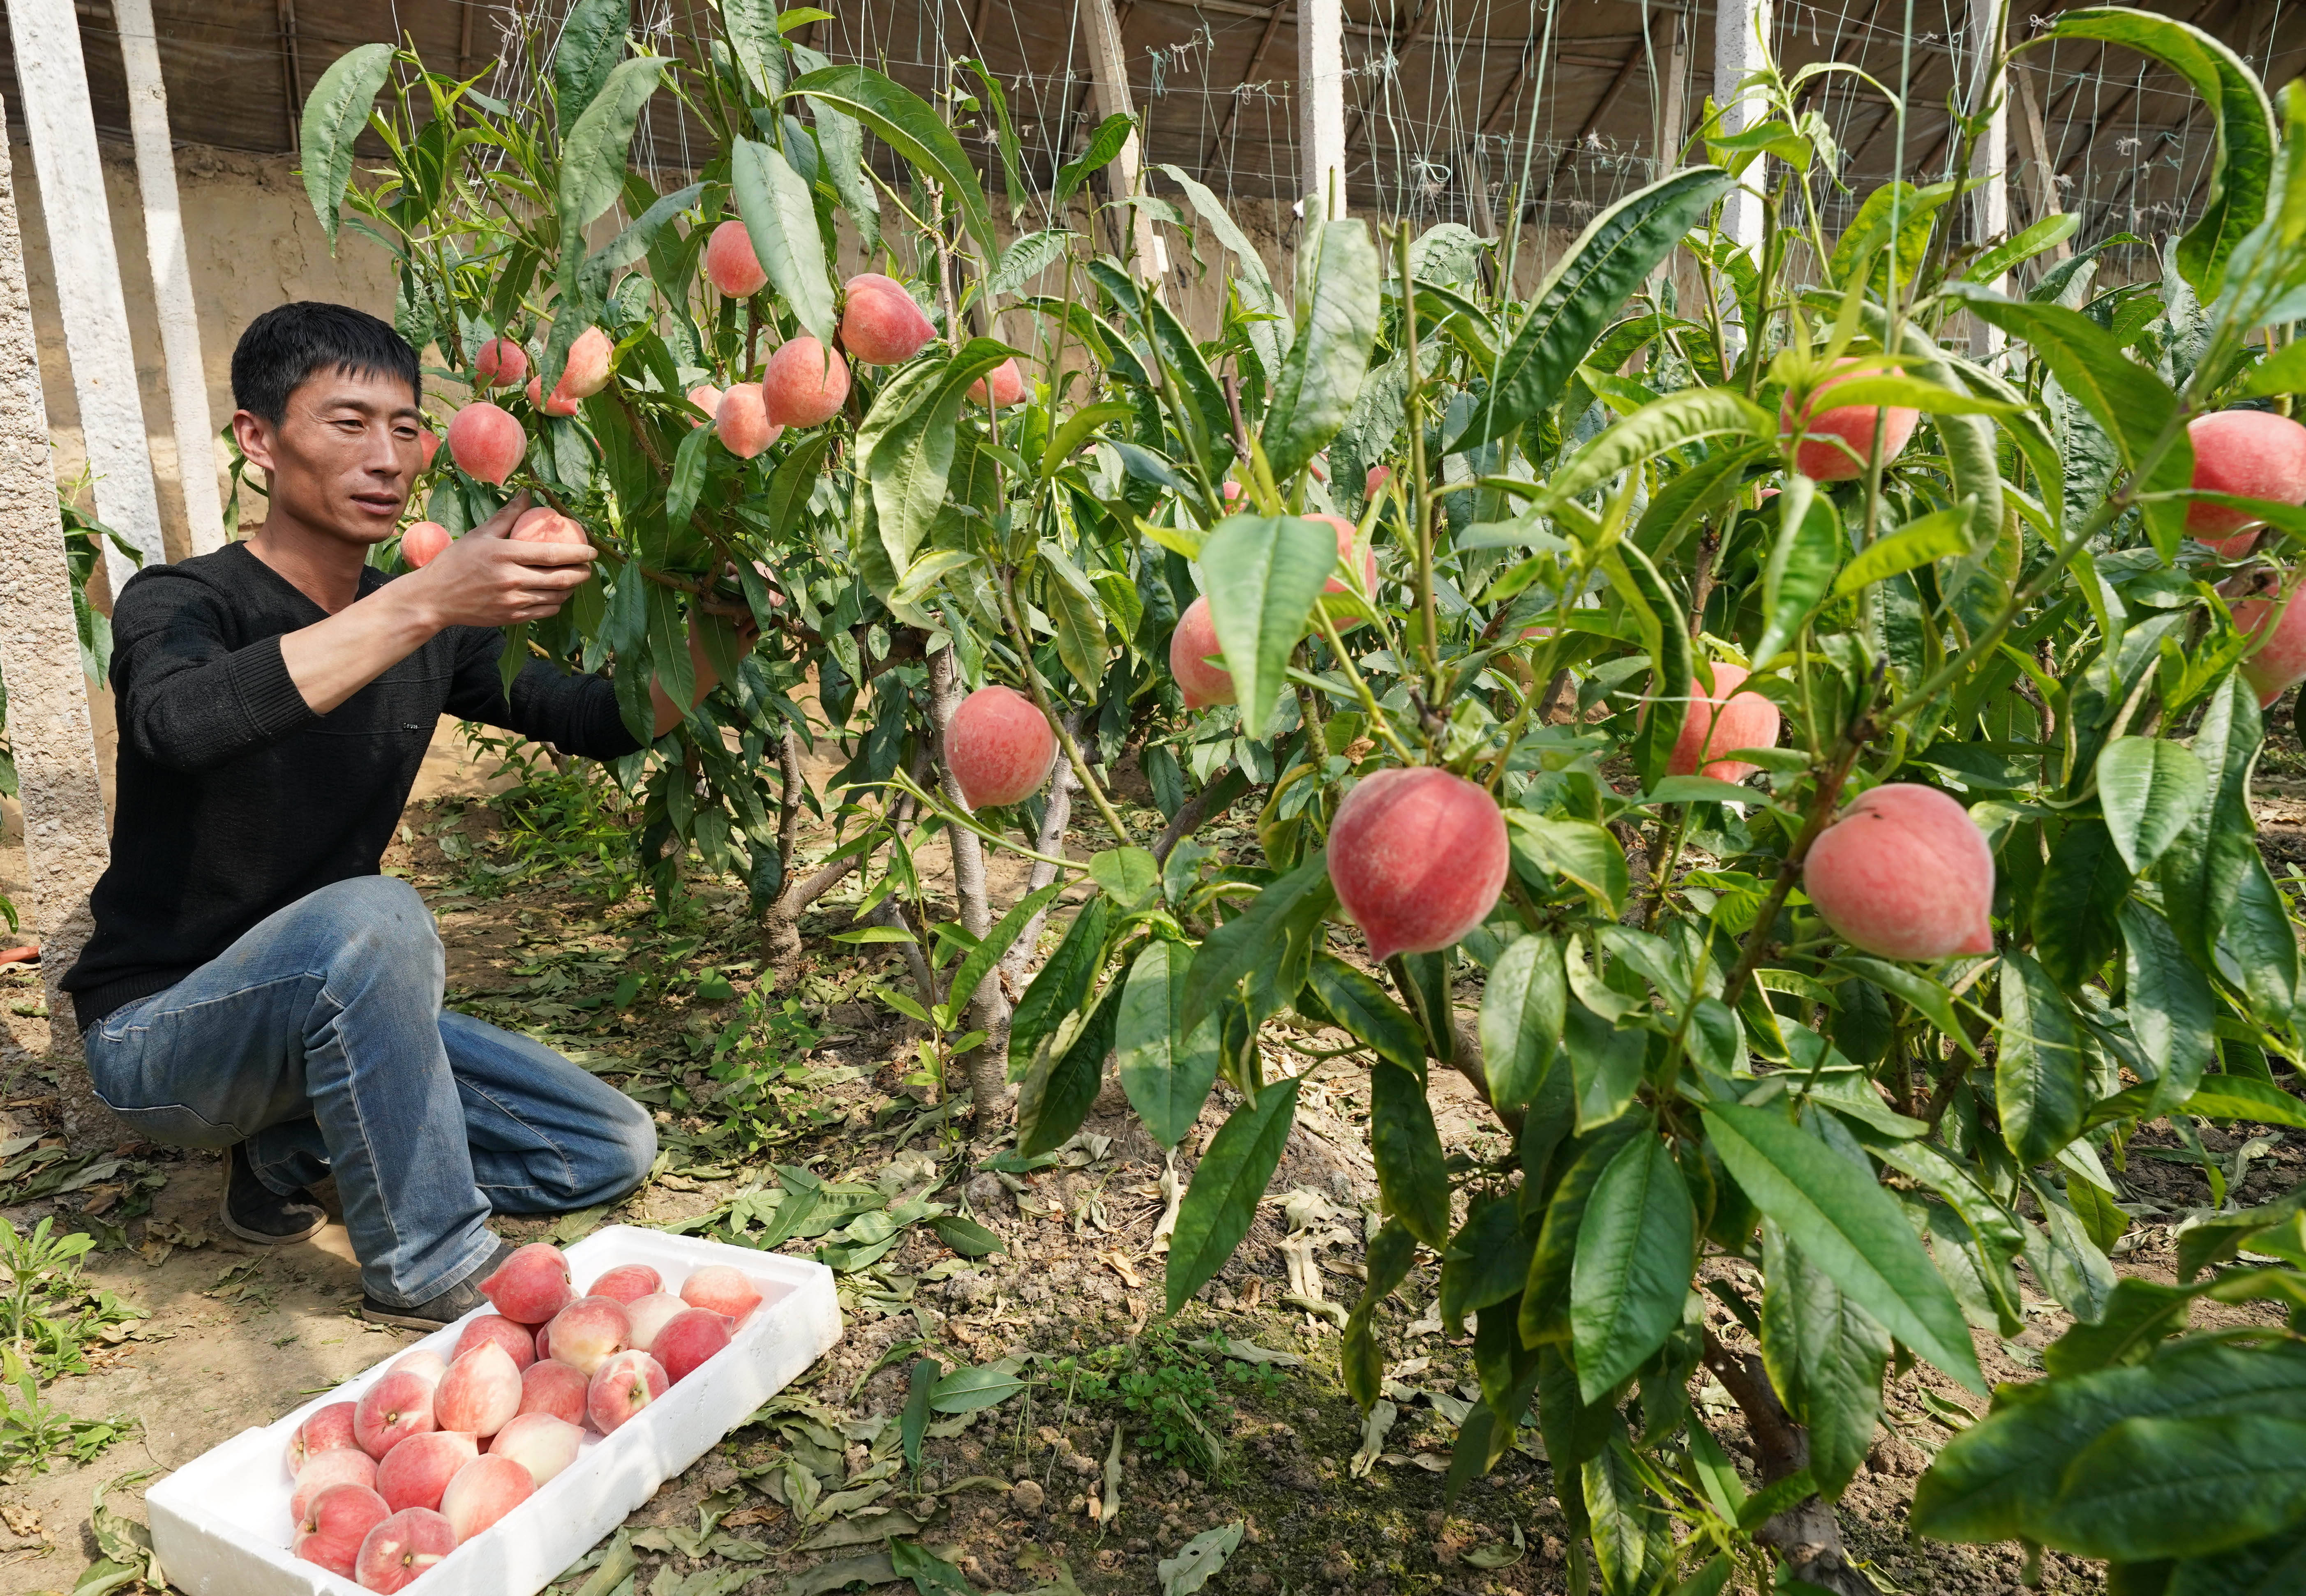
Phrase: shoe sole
x=259 y=1238
x=377 y=1314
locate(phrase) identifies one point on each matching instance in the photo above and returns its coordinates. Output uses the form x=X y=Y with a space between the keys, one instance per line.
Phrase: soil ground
x=1021 y=1496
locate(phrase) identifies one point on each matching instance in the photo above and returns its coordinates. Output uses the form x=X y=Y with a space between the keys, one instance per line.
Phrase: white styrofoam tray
x=220 y=1523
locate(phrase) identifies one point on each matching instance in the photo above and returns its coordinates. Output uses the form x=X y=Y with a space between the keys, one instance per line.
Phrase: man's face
x=341 y=461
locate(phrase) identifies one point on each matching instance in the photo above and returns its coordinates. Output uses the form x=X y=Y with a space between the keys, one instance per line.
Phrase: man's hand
x=485 y=579
x=668 y=713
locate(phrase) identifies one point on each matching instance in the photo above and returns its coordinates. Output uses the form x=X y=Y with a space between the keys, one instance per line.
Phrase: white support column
x=1990 y=156
x=172 y=275
x=1739 y=29
x=1321 y=103
x=1108 y=65
x=54 y=81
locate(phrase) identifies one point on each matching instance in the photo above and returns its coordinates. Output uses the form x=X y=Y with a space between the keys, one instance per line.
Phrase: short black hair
x=285 y=347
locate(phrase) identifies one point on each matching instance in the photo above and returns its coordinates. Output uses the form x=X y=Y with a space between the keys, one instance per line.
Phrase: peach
x=415 y=1472
x=480 y=1392
x=1008 y=385
x=2253 y=453
x=1379 y=475
x=1345 y=536
x=706 y=397
x=1822 y=455
x=344 y=1466
x=1000 y=747
x=588 y=1331
x=423 y=543
x=532 y=1285
x=882 y=325
x=2278 y=656
x=397 y=1406
x=1902 y=872
x=501 y=363
x=624 y=1384
x=545 y=525
x=585 y=371
x=731 y=264
x=544 y=1342
x=517 y=1341
x=1191 y=645
x=428 y=447
x=627 y=1283
x=720 y=1289
x=649 y=1315
x=1418 y=857
x=549 y=1385
x=403 y=1548
x=1231 y=491
x=688 y=1339
x=1721 y=720
x=483 y=1491
x=486 y=442
x=805 y=384
x=323 y=1429
x=741 y=421
x=333 y=1523
x=425 y=1362
x=562 y=402
x=544 y=1444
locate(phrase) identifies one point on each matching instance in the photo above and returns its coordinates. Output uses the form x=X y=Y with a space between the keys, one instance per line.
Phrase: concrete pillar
x=172 y=277
x=64 y=839
x=1108 y=65
x=1673 y=90
x=1990 y=156
x=1321 y=103
x=54 y=81
x=1740 y=27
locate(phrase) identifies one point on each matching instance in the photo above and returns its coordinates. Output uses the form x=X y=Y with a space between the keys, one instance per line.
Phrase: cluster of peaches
x=439 y=1449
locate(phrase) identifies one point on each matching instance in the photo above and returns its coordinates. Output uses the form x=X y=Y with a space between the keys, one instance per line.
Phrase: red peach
x=423 y=1361
x=708 y=398
x=1903 y=873
x=741 y=421
x=1418 y=858
x=1231 y=493
x=545 y=525
x=625 y=1383
x=415 y=1472
x=720 y=1289
x=486 y=441
x=2277 y=657
x=549 y=1385
x=544 y=1342
x=516 y=1339
x=882 y=325
x=344 y=1466
x=397 y=1406
x=688 y=1339
x=323 y=1429
x=403 y=1548
x=1191 y=645
x=532 y=1285
x=562 y=402
x=544 y=1444
x=588 y=1331
x=335 y=1522
x=805 y=384
x=1822 y=455
x=428 y=447
x=585 y=371
x=2253 y=453
x=1346 y=537
x=501 y=363
x=1000 y=747
x=480 y=1391
x=1720 y=721
x=1008 y=385
x=649 y=1315
x=483 y=1493
x=423 y=543
x=731 y=264
x=627 y=1283
x=1379 y=475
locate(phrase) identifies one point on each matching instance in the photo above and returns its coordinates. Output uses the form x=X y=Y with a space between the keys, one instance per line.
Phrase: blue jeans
x=319 y=1040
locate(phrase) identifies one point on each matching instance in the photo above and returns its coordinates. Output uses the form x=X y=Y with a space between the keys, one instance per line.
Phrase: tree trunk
x=1051 y=841
x=1807 y=1535
x=987 y=1069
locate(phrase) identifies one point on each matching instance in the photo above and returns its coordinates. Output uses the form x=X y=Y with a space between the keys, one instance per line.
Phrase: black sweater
x=234 y=799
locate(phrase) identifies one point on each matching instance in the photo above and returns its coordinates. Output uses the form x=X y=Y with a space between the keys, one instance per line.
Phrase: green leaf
x=966 y=1236
x=1799 y=572
x=1166 y=1070
x=2075 y=903
x=593 y=158
x=669 y=645
x=842 y=141
x=638 y=237
x=1408 y=1147
x=1060 y=1089
x=914 y=1422
x=1026 y=258
x=966 y=1390
x=1665 y=636
x=1825 y=1355
x=1360 y=1006
x=1261 y=575
x=2258 y=948
x=1390 y=1253
x=1996 y=259
x=1256 y=942
x=1321 y=374
x=2178 y=1488
x=1269 y=333
x=1522 y=1008
x=908 y=439
x=1605 y=1063
x=1611 y=258
x=779 y=215
x=1073 y=607
x=978 y=961
x=335 y=113
x=2041 y=1080
x=2150 y=789
x=1939 y=536
x=1104 y=146
x=913 y=129
x=931 y=1575
x=2172 y=1008
x=591 y=42
x=2202 y=871
x=1665 y=424
x=1228 y=1184
x=1545 y=1295
x=1855 y=1231
x=1128 y=875
x=2245 y=1097
x=1488 y=1260
x=1636 y=1245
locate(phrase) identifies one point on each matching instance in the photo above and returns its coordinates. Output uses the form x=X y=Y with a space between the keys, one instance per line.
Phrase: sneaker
x=446 y=1309
x=254 y=1212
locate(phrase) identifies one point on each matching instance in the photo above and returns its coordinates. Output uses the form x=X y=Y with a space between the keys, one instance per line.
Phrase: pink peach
x=1418 y=857
x=649 y=1315
x=1000 y=747
x=2277 y=655
x=423 y=543
x=2254 y=454
x=397 y=1406
x=1903 y=873
x=549 y=1385
x=344 y=1466
x=483 y=1493
x=333 y=1523
x=501 y=363
x=882 y=325
x=532 y=1285
x=1008 y=386
x=706 y=397
x=741 y=421
x=415 y=1472
x=1720 y=721
x=323 y=1429
x=731 y=264
x=588 y=1331
x=805 y=384
x=545 y=525
x=723 y=1290
x=480 y=1392
x=518 y=1340
x=403 y=1549
x=585 y=371
x=627 y=1283
x=1822 y=456
x=1191 y=645
x=625 y=1383
x=688 y=1339
x=561 y=403
x=544 y=1444
x=486 y=441
x=423 y=1361
x=1346 y=538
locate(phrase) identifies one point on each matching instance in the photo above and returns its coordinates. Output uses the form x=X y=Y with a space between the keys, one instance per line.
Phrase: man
x=253 y=982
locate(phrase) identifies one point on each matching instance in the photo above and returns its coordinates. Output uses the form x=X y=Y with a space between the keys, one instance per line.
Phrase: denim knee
x=636 y=1133
x=377 y=917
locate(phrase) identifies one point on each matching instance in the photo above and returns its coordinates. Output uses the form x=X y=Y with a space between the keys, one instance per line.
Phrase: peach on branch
x=1008 y=386
x=1379 y=475
x=518 y=1341
x=483 y=1493
x=688 y=1339
x=561 y=403
x=397 y=1406
x=1720 y=720
x=1191 y=645
x=532 y=1285
x=585 y=371
x=881 y=324
x=1346 y=537
x=650 y=1314
x=588 y=1331
x=403 y=1549
x=343 y=1465
x=333 y=1523
x=2254 y=454
x=323 y=1429
x=627 y=1283
x=545 y=525
x=741 y=421
x=1840 y=439
x=549 y=1385
x=1903 y=873
x=1000 y=747
x=805 y=383
x=622 y=1386
x=719 y=1288
x=2277 y=655
x=731 y=264
x=415 y=1472
x=423 y=543
x=1231 y=493
x=708 y=398
x=480 y=1392
x=1418 y=857
x=541 y=1443
x=501 y=363
x=486 y=441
